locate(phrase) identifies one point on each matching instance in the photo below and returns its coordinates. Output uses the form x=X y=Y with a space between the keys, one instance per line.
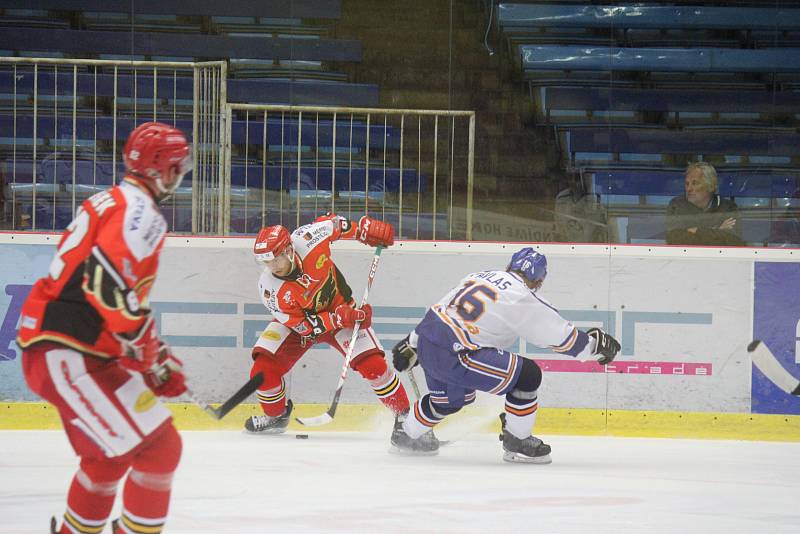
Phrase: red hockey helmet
x=271 y=241
x=152 y=150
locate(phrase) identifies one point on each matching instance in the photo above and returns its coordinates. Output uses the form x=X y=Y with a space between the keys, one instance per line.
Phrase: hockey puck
x=301 y=436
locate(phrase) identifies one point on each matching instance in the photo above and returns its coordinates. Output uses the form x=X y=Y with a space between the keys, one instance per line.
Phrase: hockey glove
x=166 y=378
x=605 y=345
x=373 y=232
x=346 y=316
x=140 y=348
x=404 y=356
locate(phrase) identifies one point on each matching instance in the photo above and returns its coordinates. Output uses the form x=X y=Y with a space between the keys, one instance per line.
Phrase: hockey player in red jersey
x=312 y=303
x=91 y=349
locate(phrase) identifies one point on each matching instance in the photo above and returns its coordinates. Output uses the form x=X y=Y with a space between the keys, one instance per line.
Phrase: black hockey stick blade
x=237 y=398
x=771 y=367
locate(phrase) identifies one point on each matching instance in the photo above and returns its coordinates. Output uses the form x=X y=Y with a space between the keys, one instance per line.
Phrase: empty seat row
x=91 y=43
x=688 y=141
x=704 y=60
x=179 y=89
x=604 y=99
x=56 y=175
x=511 y=16
x=280 y=132
x=318 y=9
x=670 y=183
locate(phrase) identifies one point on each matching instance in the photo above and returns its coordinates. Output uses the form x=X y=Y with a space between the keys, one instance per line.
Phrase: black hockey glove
x=605 y=345
x=404 y=356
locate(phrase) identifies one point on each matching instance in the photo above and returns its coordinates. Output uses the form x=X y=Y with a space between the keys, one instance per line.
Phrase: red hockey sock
x=384 y=381
x=91 y=495
x=148 y=487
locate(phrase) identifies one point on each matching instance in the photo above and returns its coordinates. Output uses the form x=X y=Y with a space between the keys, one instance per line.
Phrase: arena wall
x=684 y=317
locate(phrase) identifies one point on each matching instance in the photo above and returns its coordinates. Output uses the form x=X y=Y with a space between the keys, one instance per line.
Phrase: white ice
x=229 y=482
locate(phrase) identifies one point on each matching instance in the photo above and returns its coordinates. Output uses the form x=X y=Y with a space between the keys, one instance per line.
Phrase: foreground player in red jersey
x=312 y=303
x=90 y=346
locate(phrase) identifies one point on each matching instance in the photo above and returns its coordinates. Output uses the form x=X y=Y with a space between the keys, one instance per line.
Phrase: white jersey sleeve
x=495 y=308
x=268 y=287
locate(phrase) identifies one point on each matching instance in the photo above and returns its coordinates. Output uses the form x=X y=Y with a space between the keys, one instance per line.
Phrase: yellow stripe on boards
x=550 y=421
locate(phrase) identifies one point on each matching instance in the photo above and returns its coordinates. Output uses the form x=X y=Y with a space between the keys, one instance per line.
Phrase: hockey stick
x=245 y=391
x=771 y=367
x=327 y=417
x=413 y=380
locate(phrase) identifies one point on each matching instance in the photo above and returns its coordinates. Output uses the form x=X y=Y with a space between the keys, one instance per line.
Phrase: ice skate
x=402 y=443
x=530 y=450
x=267 y=424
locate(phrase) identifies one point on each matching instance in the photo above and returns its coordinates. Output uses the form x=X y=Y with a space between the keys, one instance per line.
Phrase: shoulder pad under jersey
x=143 y=225
x=308 y=236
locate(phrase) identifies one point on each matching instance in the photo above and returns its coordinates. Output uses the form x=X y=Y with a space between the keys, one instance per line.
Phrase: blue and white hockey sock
x=521 y=414
x=422 y=418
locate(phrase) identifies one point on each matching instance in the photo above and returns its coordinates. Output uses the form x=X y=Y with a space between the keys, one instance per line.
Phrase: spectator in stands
x=701 y=217
x=579 y=217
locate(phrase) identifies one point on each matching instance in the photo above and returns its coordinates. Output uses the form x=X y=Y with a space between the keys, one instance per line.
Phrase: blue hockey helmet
x=530 y=264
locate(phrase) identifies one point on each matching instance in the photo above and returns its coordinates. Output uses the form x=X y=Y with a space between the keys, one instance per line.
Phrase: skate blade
x=405 y=452
x=514 y=457
x=263 y=432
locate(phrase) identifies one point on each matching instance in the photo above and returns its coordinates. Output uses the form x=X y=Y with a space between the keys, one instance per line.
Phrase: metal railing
x=63 y=123
x=288 y=164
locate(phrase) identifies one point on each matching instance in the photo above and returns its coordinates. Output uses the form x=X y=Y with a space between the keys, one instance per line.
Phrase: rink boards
x=682 y=315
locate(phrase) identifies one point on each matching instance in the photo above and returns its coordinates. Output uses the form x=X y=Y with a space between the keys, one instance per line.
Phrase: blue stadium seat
x=319 y=178
x=278 y=134
x=303 y=92
x=87 y=42
x=167 y=86
x=604 y=99
x=319 y=9
x=511 y=16
x=670 y=183
x=575 y=57
x=179 y=89
x=693 y=141
x=91 y=175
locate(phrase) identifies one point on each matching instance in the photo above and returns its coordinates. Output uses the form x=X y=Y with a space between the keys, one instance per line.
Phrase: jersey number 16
x=468 y=302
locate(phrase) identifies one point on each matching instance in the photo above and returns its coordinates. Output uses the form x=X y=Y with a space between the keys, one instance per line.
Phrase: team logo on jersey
x=145 y=401
x=28 y=322
x=271 y=334
x=321 y=261
x=324 y=295
x=458 y=347
x=305 y=280
x=287 y=297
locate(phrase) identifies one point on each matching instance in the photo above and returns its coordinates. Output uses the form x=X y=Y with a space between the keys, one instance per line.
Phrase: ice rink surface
x=229 y=482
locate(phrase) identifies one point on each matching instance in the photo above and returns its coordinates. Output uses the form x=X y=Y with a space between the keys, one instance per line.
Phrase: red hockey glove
x=166 y=378
x=140 y=348
x=373 y=232
x=346 y=316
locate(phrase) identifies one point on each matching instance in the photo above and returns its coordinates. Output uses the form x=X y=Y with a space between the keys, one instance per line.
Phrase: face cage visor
x=265 y=258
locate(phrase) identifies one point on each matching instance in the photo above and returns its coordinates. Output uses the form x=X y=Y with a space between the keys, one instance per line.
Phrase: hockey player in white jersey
x=459 y=345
